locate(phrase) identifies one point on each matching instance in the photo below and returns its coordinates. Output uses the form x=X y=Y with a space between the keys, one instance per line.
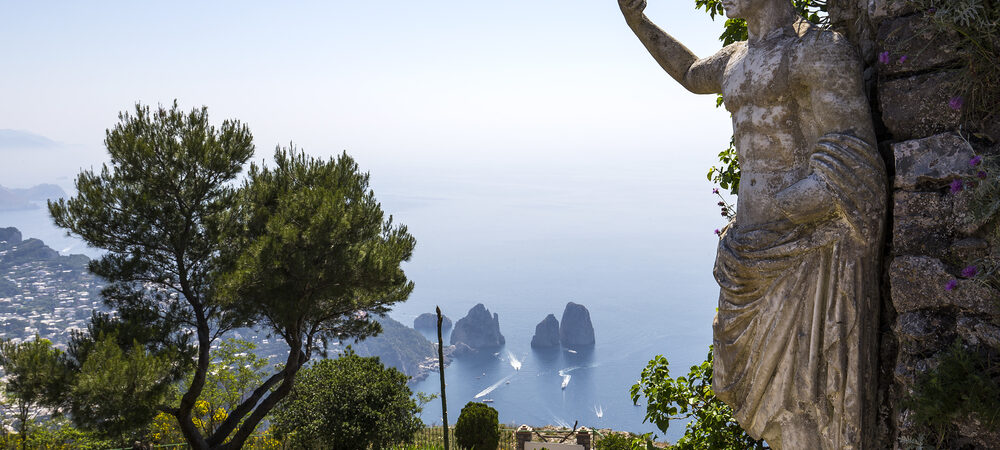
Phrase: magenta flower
x=883 y=57
x=975 y=160
x=902 y=59
x=981 y=175
x=970 y=271
x=956 y=186
x=956 y=103
x=717 y=232
x=952 y=284
x=715 y=190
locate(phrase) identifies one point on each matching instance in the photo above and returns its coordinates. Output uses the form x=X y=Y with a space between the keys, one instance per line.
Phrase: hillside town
x=42 y=292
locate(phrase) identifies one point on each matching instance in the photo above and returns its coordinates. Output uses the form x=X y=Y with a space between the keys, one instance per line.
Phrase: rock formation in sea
x=546 y=333
x=428 y=321
x=478 y=330
x=575 y=328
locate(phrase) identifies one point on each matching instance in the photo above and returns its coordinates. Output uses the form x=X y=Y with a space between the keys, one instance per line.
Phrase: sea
x=634 y=246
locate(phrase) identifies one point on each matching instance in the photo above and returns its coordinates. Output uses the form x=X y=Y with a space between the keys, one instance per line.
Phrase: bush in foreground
x=351 y=402
x=478 y=427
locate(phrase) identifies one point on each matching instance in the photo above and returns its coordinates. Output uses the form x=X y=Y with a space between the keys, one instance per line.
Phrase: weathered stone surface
x=478 y=330
x=978 y=331
x=919 y=41
x=575 y=328
x=937 y=160
x=917 y=106
x=918 y=282
x=547 y=333
x=909 y=368
x=928 y=223
x=882 y=9
x=976 y=433
x=921 y=331
x=428 y=321
x=968 y=249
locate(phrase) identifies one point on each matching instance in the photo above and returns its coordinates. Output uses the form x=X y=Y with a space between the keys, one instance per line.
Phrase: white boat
x=487 y=400
x=565 y=381
x=571 y=351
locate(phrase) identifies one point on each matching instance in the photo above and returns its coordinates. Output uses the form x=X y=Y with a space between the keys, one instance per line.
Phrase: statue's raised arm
x=701 y=76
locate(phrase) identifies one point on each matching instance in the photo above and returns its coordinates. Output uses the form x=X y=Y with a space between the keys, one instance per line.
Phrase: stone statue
x=796 y=331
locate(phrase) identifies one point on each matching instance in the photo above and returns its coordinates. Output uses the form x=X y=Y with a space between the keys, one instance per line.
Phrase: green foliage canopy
x=351 y=402
x=711 y=421
x=153 y=208
x=35 y=377
x=116 y=391
x=301 y=250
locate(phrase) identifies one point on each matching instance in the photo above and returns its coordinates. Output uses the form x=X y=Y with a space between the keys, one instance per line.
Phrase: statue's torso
x=760 y=90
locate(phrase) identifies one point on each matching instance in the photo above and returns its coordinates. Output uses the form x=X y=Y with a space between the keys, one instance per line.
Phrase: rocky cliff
x=546 y=333
x=401 y=347
x=575 y=328
x=927 y=86
x=478 y=330
x=428 y=321
x=9 y=236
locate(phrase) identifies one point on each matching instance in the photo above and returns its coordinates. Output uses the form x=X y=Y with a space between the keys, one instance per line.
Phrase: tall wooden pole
x=444 y=401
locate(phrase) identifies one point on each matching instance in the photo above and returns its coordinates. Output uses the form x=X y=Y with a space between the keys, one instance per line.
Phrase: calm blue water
x=635 y=249
x=633 y=244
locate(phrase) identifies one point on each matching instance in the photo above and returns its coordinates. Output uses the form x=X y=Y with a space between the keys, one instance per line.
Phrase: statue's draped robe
x=798 y=306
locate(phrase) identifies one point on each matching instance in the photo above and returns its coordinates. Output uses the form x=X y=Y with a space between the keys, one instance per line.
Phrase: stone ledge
x=917 y=106
x=883 y=9
x=913 y=37
x=920 y=332
x=918 y=283
x=978 y=331
x=927 y=223
x=937 y=159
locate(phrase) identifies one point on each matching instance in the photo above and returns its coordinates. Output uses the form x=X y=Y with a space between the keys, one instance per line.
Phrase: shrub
x=614 y=441
x=348 y=403
x=691 y=398
x=963 y=385
x=478 y=427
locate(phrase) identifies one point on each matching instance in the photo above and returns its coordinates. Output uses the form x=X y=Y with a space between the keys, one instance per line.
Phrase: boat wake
x=493 y=386
x=514 y=362
x=599 y=411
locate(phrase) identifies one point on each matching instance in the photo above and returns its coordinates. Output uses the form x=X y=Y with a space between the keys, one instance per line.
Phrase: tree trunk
x=444 y=401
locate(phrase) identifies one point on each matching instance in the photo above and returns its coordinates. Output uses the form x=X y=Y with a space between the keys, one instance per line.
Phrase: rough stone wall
x=931 y=231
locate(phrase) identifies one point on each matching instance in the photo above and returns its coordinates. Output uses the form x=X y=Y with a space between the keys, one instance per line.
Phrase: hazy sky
x=482 y=87
x=541 y=124
x=533 y=147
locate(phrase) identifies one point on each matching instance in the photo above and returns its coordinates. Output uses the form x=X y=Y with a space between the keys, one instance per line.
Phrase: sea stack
x=478 y=330
x=546 y=333
x=575 y=328
x=428 y=321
